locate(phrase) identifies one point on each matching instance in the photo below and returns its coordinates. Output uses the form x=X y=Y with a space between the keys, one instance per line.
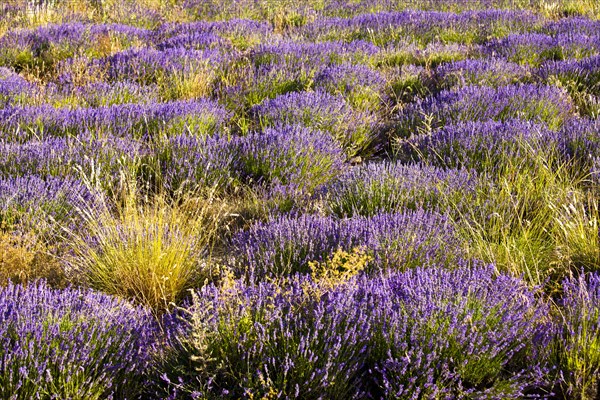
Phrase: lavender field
x=311 y=199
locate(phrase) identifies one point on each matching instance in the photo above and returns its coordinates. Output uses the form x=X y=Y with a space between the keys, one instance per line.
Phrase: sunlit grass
x=530 y=221
x=149 y=251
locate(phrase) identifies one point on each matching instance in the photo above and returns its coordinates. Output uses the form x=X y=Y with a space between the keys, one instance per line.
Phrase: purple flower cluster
x=74 y=35
x=572 y=25
x=355 y=130
x=579 y=142
x=398 y=241
x=578 y=335
x=430 y=55
x=290 y=156
x=492 y=72
x=585 y=74
x=147 y=65
x=421 y=26
x=201 y=117
x=14 y=89
x=46 y=45
x=457 y=333
x=419 y=334
x=229 y=30
x=312 y=55
x=393 y=187
x=191 y=161
x=290 y=66
x=71 y=343
x=101 y=161
x=538 y=103
x=345 y=78
x=483 y=146
x=295 y=155
x=193 y=41
x=31 y=197
x=362 y=86
x=535 y=48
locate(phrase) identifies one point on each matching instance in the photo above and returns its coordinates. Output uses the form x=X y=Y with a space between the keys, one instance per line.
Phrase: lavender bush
x=354 y=130
x=292 y=342
x=546 y=104
x=461 y=334
x=577 y=337
x=492 y=72
x=37 y=203
x=290 y=155
x=397 y=241
x=393 y=187
x=71 y=343
x=286 y=156
x=201 y=117
x=399 y=336
x=483 y=146
x=362 y=86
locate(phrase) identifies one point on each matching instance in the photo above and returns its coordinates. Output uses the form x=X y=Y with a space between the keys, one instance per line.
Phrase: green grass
x=537 y=221
x=151 y=252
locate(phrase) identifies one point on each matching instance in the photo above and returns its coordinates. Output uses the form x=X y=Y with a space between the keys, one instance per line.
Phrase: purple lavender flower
x=430 y=55
x=102 y=94
x=295 y=341
x=484 y=146
x=534 y=48
x=584 y=74
x=528 y=49
x=71 y=343
x=147 y=66
x=193 y=41
x=467 y=332
x=579 y=145
x=316 y=54
x=421 y=26
x=201 y=117
x=546 y=104
x=71 y=34
x=426 y=332
x=363 y=87
x=492 y=72
x=289 y=66
x=233 y=31
x=572 y=25
x=393 y=187
x=46 y=45
x=286 y=245
x=32 y=198
x=354 y=130
x=577 y=335
x=101 y=161
x=290 y=155
x=191 y=161
x=14 y=89
x=346 y=78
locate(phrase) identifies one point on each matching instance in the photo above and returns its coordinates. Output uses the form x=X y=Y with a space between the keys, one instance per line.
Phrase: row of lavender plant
x=317 y=200
x=426 y=332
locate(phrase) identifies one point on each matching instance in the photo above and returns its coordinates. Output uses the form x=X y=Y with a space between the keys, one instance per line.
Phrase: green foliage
x=530 y=222
x=150 y=252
